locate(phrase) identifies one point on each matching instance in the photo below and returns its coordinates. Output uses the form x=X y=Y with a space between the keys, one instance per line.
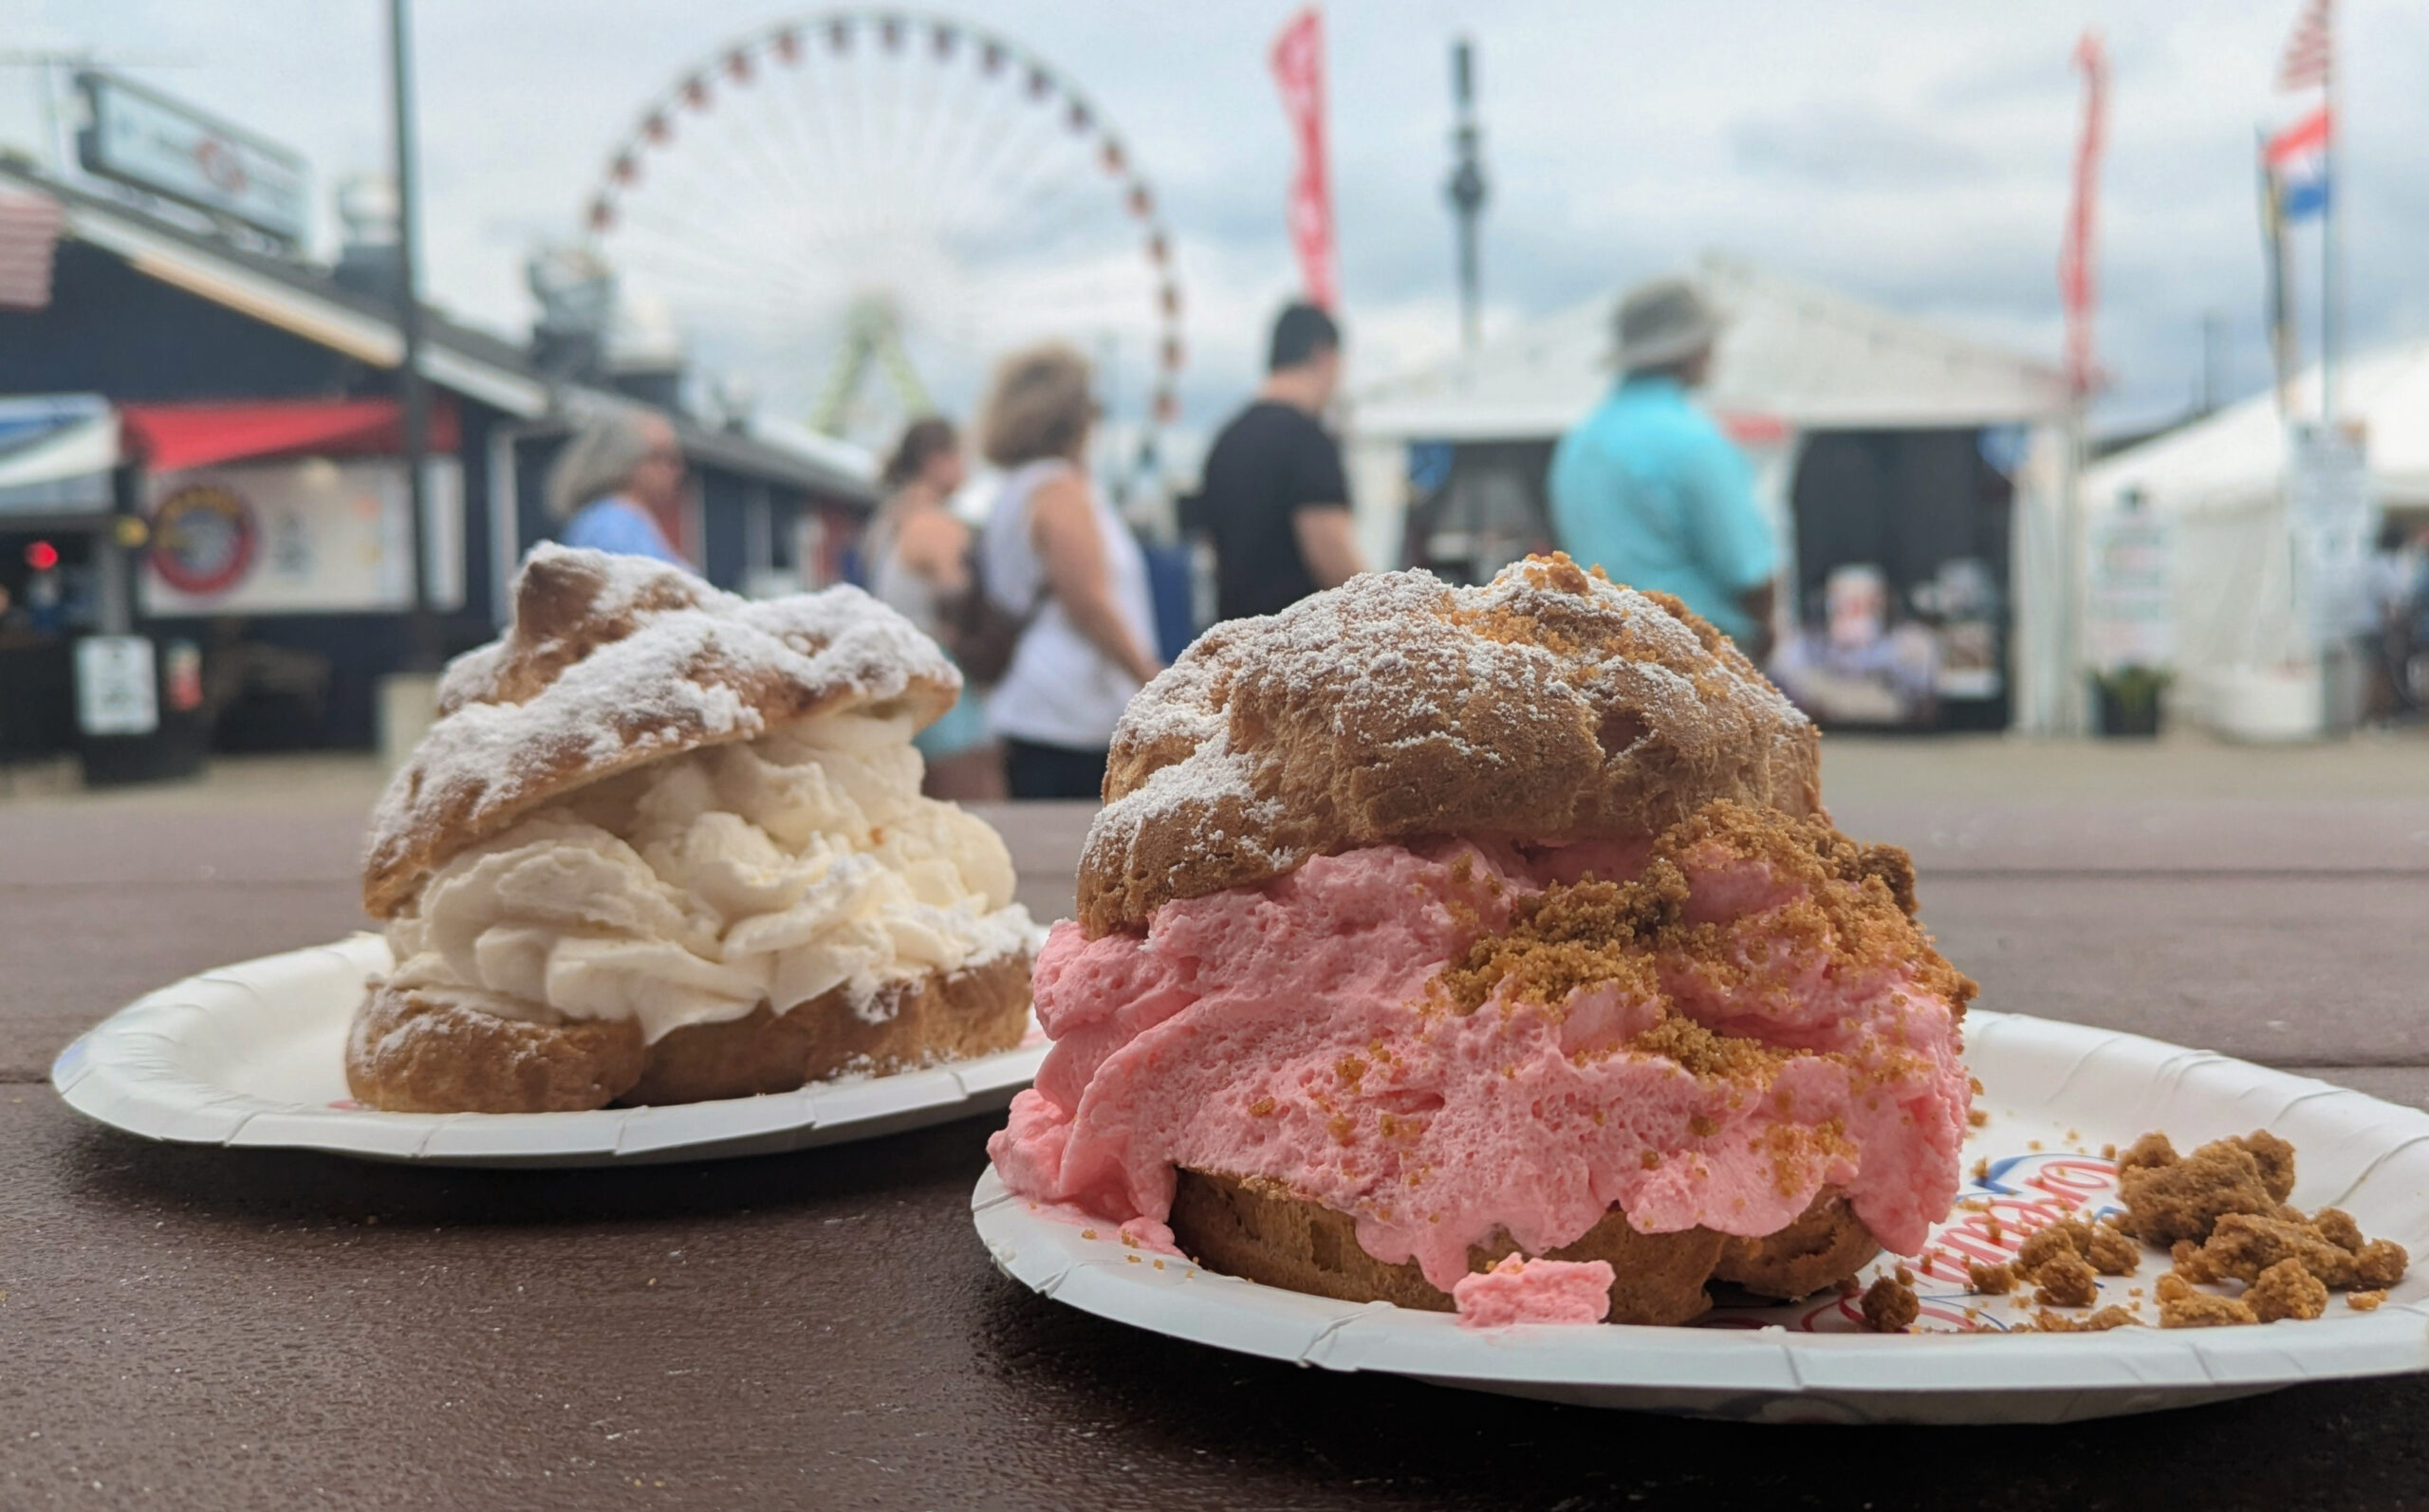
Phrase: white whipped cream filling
x=696 y=888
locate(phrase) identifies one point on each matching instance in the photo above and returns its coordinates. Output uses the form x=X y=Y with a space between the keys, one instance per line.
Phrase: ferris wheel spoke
x=893 y=130
x=1062 y=287
x=659 y=242
x=708 y=284
x=778 y=168
x=808 y=106
x=1030 y=131
x=667 y=252
x=850 y=95
x=999 y=163
x=655 y=245
x=690 y=236
x=698 y=206
x=1043 y=219
x=937 y=114
x=1026 y=199
x=800 y=108
x=967 y=133
x=987 y=101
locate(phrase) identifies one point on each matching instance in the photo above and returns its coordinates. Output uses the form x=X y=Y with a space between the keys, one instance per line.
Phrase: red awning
x=172 y=436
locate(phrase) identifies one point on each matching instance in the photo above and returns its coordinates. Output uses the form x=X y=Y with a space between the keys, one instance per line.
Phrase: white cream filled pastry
x=694 y=889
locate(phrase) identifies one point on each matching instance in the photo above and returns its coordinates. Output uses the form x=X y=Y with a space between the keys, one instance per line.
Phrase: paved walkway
x=2367 y=766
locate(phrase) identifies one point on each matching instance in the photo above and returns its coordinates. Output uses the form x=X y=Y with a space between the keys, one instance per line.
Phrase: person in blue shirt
x=1647 y=487
x=618 y=484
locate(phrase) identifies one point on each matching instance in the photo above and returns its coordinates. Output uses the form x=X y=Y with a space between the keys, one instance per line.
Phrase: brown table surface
x=210 y=1328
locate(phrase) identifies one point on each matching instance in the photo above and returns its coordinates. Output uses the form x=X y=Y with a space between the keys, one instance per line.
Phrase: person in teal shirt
x=1647 y=488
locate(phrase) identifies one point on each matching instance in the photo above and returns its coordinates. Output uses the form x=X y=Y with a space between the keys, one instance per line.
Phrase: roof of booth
x=1792 y=355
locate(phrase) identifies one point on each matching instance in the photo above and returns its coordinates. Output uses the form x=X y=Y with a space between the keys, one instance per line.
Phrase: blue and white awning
x=57 y=453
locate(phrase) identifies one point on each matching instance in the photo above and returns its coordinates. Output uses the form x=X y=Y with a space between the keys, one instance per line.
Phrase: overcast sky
x=1917 y=154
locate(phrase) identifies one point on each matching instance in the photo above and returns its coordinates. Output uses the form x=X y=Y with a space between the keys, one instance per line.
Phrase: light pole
x=425 y=648
x=1466 y=190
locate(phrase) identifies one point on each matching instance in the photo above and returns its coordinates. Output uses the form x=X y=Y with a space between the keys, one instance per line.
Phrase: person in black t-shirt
x=1275 y=501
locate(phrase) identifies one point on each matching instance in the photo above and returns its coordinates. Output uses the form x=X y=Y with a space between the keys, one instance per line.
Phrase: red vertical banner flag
x=1299 y=72
x=2078 y=281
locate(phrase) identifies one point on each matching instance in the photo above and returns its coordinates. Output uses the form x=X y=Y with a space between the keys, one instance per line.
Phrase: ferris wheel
x=857 y=211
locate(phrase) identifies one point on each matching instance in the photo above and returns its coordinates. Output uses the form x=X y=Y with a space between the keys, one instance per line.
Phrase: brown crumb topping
x=2152 y=1150
x=2192 y=1262
x=2168 y=1198
x=2223 y=1212
x=1890 y=1306
x=2046 y=1322
x=2287 y=1290
x=2066 y=1281
x=2043 y=1245
x=2337 y=1226
x=1855 y=902
x=2112 y=1253
x=2204 y=1310
x=2244 y=1244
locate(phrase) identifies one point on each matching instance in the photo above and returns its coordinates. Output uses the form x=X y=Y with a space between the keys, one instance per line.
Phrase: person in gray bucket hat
x=1649 y=489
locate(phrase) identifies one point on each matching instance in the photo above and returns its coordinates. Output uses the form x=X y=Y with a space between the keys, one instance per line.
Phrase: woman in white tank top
x=1055 y=554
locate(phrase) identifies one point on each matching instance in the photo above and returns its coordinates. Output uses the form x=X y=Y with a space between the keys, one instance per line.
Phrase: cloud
x=1843 y=144
x=1913 y=151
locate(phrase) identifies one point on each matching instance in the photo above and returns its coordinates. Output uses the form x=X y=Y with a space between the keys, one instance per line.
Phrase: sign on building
x=114 y=685
x=163 y=147
x=304 y=535
x=2129 y=617
x=2329 y=512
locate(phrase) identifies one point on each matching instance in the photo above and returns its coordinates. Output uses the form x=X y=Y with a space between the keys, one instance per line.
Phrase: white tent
x=2234 y=462
x=1801 y=355
x=2220 y=484
x=1794 y=359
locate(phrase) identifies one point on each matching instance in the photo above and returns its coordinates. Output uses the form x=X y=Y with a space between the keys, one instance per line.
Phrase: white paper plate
x=2056 y=1093
x=253 y=1055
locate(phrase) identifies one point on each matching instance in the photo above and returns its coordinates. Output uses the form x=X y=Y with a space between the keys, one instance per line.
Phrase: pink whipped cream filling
x=1286 y=1031
x=1534 y=1291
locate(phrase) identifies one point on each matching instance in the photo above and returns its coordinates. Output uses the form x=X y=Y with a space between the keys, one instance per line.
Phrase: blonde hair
x=1038 y=406
x=600 y=460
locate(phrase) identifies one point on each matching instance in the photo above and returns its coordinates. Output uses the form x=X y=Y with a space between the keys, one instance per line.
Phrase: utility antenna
x=1466 y=190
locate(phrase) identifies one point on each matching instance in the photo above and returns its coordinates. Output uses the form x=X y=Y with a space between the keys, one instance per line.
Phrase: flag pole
x=2273 y=250
x=2332 y=281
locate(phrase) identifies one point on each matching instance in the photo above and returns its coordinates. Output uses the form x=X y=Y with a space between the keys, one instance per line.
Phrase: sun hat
x=1661 y=322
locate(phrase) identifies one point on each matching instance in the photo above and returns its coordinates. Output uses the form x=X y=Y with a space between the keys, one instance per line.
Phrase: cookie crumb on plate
x=1889 y=1305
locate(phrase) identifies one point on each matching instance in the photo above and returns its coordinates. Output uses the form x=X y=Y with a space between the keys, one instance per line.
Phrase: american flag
x=28 y=227
x=2308 y=49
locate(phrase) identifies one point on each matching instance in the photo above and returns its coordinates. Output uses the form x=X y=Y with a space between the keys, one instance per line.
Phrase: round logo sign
x=220 y=164
x=204 y=539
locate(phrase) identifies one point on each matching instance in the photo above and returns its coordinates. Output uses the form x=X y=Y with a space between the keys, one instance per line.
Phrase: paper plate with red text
x=253 y=1055
x=2056 y=1094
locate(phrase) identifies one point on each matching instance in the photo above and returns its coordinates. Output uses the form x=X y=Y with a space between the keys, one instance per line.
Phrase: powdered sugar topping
x=1401 y=665
x=614 y=661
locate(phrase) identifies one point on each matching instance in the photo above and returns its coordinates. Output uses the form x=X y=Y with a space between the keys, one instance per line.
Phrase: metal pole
x=1467 y=191
x=2214 y=346
x=425 y=643
x=2072 y=716
x=2332 y=281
